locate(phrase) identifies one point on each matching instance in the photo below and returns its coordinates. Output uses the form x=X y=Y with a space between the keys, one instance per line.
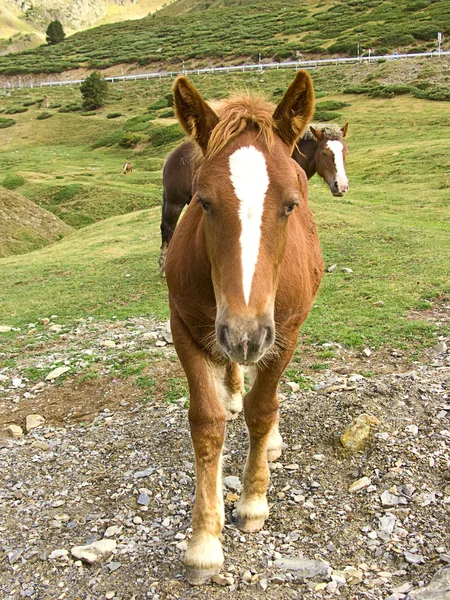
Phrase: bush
x=165 y=134
x=158 y=104
x=88 y=114
x=11 y=182
x=15 y=109
x=113 y=115
x=331 y=105
x=44 y=115
x=129 y=140
x=138 y=123
x=55 y=33
x=94 y=90
x=169 y=100
x=55 y=105
x=70 y=108
x=325 y=115
x=4 y=123
x=66 y=193
x=29 y=102
x=115 y=137
x=167 y=114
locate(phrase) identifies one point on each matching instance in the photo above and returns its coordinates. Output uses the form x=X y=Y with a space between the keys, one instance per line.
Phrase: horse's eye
x=290 y=208
x=203 y=204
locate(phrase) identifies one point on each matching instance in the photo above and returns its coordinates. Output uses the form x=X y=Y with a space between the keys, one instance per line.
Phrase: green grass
x=239 y=31
x=392 y=228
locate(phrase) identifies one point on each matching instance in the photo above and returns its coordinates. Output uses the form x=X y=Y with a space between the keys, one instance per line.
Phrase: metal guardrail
x=307 y=64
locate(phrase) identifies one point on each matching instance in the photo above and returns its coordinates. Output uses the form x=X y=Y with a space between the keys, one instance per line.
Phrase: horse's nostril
x=336 y=185
x=223 y=337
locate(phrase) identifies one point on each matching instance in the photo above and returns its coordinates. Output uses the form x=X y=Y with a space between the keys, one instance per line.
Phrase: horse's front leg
x=262 y=417
x=204 y=555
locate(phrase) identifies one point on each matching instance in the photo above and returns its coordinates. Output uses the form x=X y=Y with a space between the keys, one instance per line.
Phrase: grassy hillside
x=24 y=226
x=391 y=229
x=238 y=30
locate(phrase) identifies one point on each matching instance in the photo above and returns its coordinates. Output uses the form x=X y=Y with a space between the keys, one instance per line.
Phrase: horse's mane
x=331 y=131
x=235 y=115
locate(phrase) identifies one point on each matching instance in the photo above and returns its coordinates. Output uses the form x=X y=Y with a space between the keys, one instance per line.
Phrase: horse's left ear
x=295 y=110
x=194 y=115
x=344 y=130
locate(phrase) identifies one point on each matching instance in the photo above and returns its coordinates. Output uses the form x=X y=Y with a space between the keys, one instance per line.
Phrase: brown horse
x=127 y=168
x=242 y=270
x=321 y=150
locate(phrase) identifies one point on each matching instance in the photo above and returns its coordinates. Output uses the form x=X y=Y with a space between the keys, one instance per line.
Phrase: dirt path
x=111 y=435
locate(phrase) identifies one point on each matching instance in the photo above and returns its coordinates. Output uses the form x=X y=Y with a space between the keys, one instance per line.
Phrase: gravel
x=112 y=463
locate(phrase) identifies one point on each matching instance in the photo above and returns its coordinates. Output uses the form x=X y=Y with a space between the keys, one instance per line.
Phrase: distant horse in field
x=321 y=150
x=242 y=269
x=127 y=168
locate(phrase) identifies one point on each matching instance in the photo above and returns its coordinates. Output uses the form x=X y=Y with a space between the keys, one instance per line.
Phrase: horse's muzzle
x=245 y=340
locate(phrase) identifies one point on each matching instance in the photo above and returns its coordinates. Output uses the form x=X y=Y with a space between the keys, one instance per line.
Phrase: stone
x=388 y=499
x=160 y=344
x=57 y=373
x=33 y=421
x=413 y=558
x=367 y=352
x=144 y=473
x=143 y=499
x=58 y=553
x=113 y=566
x=232 y=483
x=5 y=328
x=111 y=531
x=16 y=382
x=110 y=595
x=293 y=385
x=56 y=328
x=359 y=484
x=303 y=567
x=440 y=347
x=346 y=270
x=40 y=445
x=359 y=433
x=223 y=580
x=15 y=431
x=332 y=268
x=353 y=576
x=412 y=429
x=437 y=589
x=94 y=552
x=109 y=344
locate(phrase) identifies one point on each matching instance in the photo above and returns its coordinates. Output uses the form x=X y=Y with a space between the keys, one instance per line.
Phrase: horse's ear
x=195 y=116
x=295 y=110
x=317 y=133
x=344 y=130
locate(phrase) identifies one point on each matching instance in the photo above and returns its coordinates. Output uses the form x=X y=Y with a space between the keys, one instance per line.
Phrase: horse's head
x=245 y=191
x=330 y=158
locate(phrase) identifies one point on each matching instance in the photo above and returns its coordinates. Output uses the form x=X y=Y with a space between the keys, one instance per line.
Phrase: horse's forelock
x=331 y=131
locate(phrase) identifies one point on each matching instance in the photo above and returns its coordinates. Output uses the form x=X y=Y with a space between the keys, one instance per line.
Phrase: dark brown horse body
x=311 y=152
x=242 y=271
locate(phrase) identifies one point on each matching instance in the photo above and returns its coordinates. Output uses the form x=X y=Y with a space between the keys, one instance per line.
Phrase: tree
x=55 y=33
x=94 y=90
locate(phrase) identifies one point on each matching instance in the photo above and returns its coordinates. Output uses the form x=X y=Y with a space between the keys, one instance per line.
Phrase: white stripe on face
x=248 y=173
x=337 y=148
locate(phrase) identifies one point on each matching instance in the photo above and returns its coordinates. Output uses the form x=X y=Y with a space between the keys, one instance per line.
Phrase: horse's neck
x=305 y=155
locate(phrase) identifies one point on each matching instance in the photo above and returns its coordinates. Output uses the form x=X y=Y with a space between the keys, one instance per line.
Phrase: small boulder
x=359 y=433
x=92 y=553
x=33 y=421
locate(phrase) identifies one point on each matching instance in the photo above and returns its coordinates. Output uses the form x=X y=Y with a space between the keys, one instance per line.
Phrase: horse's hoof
x=273 y=454
x=250 y=525
x=200 y=576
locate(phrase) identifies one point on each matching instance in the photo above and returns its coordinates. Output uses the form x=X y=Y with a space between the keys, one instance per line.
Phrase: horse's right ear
x=195 y=116
x=317 y=133
x=295 y=110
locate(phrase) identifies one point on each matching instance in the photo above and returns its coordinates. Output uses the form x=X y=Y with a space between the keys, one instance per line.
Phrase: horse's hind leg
x=204 y=555
x=171 y=210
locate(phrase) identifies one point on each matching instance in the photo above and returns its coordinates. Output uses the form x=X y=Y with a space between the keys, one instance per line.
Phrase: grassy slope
x=238 y=30
x=392 y=229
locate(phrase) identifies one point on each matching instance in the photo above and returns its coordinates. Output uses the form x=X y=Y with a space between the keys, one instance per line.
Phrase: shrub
x=66 y=193
x=59 y=177
x=331 y=105
x=15 y=109
x=113 y=115
x=162 y=103
x=11 y=182
x=169 y=100
x=55 y=105
x=165 y=134
x=137 y=123
x=44 y=115
x=94 y=90
x=88 y=114
x=129 y=140
x=55 y=33
x=4 y=123
x=29 y=102
x=115 y=137
x=70 y=108
x=325 y=115
x=167 y=114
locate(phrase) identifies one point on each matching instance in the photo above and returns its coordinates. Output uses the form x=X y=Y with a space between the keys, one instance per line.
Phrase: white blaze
x=337 y=148
x=248 y=173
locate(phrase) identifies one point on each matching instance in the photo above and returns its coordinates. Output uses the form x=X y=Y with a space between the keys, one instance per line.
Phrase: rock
x=14 y=555
x=412 y=429
x=233 y=483
x=440 y=347
x=292 y=467
x=39 y=444
x=144 y=473
x=304 y=567
x=33 y=421
x=113 y=566
x=367 y=352
x=388 y=499
x=346 y=270
x=56 y=328
x=143 y=499
x=111 y=531
x=5 y=328
x=15 y=431
x=160 y=343
x=109 y=344
x=247 y=576
x=378 y=303
x=413 y=558
x=387 y=524
x=110 y=595
x=16 y=382
x=59 y=553
x=437 y=589
x=45 y=321
x=359 y=433
x=353 y=576
x=332 y=268
x=359 y=484
x=293 y=385
x=223 y=580
x=57 y=373
x=94 y=552
x=263 y=583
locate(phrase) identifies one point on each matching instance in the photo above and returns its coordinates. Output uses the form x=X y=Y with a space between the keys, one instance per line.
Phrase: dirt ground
x=105 y=441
